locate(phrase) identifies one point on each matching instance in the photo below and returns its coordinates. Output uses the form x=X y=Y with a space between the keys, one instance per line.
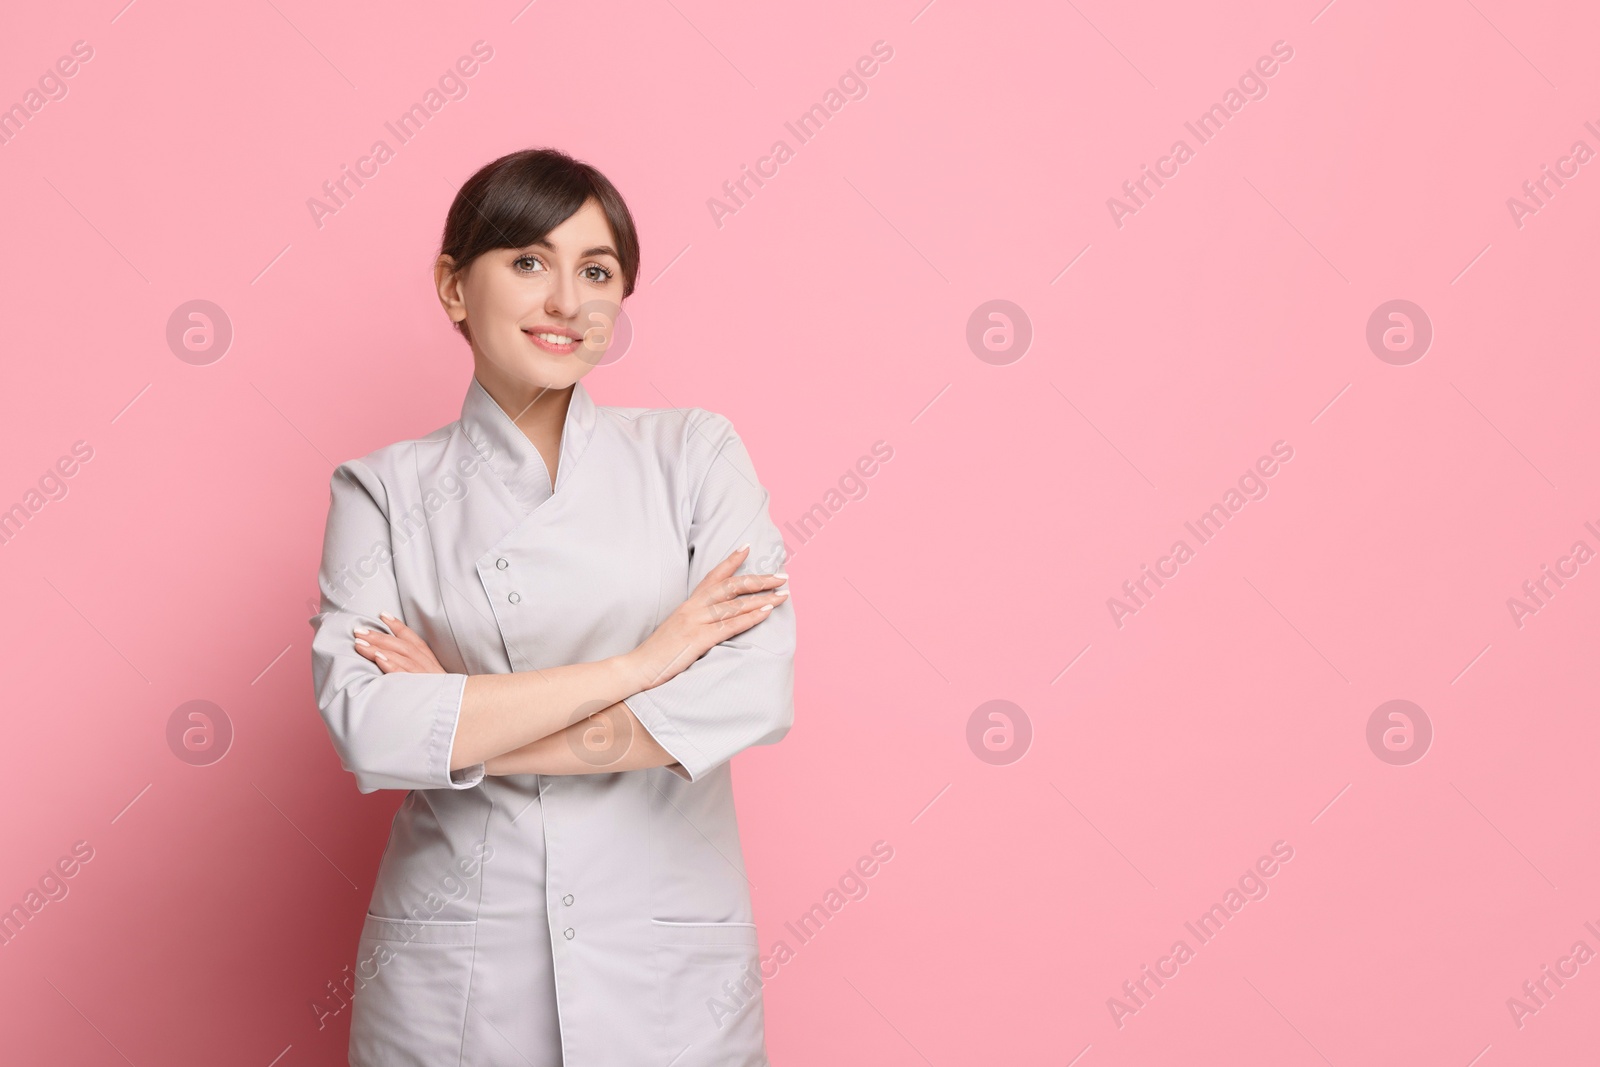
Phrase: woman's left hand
x=403 y=651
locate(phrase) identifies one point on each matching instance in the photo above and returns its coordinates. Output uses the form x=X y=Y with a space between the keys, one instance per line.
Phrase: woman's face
x=541 y=316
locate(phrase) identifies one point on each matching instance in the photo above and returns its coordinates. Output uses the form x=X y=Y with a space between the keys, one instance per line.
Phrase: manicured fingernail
x=781 y=592
x=384 y=615
x=361 y=642
x=766 y=607
x=381 y=656
x=744 y=546
x=362 y=630
x=780 y=574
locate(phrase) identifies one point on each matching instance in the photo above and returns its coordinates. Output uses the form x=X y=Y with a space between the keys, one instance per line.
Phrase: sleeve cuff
x=466 y=777
x=691 y=762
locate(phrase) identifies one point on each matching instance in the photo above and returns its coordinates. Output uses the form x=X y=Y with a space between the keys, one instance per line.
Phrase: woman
x=533 y=620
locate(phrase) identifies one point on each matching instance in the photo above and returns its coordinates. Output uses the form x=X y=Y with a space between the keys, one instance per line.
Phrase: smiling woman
x=558 y=666
x=498 y=261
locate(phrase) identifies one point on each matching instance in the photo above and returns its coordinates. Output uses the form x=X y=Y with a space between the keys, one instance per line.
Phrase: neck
x=538 y=411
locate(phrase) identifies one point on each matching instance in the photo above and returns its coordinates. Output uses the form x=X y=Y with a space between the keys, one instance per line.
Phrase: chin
x=542 y=370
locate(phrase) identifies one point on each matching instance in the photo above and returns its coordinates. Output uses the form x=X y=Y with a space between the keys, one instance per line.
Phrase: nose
x=562 y=299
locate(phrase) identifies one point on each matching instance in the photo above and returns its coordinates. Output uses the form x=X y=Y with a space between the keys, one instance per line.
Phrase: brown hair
x=519 y=198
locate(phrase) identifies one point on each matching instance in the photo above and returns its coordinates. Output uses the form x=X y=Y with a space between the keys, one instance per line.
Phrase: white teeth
x=553 y=338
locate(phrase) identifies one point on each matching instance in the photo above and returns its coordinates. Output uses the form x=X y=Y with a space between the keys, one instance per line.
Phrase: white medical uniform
x=595 y=920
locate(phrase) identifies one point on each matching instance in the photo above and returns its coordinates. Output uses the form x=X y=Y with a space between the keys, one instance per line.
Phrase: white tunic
x=595 y=920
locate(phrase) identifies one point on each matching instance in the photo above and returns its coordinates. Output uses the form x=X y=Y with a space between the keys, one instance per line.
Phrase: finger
x=380 y=640
x=388 y=652
x=725 y=568
x=408 y=642
x=400 y=629
x=745 y=583
x=738 y=624
x=392 y=663
x=744 y=605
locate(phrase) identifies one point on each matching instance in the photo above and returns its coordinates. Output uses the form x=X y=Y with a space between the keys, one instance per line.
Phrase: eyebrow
x=597 y=250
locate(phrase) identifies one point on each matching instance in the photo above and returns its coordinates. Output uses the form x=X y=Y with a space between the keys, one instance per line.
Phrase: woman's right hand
x=721 y=606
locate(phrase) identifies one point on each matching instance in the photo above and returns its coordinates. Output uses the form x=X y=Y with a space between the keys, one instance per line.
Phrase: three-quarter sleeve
x=741 y=691
x=392 y=731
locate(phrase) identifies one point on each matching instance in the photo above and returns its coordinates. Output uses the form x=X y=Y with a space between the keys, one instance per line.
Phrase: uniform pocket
x=410 y=1006
x=708 y=984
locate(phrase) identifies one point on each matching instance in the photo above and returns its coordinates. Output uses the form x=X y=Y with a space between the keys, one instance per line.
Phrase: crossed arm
x=531 y=722
x=498 y=709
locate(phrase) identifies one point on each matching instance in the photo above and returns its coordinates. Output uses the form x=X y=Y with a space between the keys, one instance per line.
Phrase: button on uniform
x=501 y=563
x=570 y=932
x=567 y=899
x=515 y=598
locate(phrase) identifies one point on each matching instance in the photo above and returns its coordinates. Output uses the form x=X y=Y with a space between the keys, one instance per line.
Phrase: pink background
x=828 y=313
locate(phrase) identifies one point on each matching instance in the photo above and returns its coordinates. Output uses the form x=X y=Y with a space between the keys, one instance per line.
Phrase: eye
x=526 y=259
x=605 y=273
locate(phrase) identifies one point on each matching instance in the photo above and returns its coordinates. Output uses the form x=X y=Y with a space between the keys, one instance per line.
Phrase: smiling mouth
x=553 y=342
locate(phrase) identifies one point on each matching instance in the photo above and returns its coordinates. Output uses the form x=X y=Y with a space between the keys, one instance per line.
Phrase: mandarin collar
x=513 y=457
